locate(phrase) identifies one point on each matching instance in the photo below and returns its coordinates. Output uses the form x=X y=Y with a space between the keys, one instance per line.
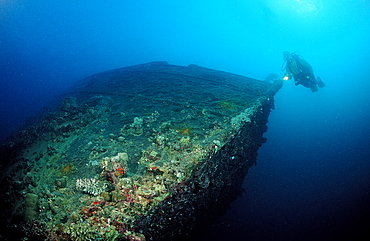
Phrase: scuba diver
x=301 y=70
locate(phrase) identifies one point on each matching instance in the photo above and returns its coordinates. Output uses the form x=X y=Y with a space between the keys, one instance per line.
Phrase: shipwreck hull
x=147 y=152
x=195 y=203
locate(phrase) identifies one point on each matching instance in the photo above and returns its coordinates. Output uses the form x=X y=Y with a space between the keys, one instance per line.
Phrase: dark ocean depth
x=312 y=178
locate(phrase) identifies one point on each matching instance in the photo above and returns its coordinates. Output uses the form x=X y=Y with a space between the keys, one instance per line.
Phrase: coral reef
x=31 y=211
x=90 y=186
x=114 y=167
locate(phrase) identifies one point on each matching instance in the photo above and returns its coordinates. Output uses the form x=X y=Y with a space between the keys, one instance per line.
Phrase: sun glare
x=307 y=7
x=303 y=8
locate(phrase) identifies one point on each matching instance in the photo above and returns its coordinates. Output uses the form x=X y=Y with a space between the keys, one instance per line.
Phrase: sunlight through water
x=307 y=7
x=303 y=8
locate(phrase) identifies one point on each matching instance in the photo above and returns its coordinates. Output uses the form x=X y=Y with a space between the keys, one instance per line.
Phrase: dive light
x=287 y=77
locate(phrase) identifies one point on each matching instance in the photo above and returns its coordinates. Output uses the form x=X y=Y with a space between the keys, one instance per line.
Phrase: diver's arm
x=288 y=72
x=288 y=67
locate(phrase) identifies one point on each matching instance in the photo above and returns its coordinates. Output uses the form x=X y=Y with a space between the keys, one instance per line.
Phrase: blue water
x=312 y=179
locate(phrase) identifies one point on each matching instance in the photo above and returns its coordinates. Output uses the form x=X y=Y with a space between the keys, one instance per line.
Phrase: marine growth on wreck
x=146 y=152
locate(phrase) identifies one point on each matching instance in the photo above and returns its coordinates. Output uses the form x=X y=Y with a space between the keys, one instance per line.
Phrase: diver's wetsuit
x=305 y=76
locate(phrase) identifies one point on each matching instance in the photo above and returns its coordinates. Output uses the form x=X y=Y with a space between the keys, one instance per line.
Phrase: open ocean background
x=312 y=179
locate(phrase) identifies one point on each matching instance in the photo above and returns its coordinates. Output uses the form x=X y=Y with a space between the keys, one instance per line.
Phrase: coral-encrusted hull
x=147 y=152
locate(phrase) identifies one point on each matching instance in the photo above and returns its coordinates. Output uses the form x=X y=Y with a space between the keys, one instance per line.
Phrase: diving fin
x=320 y=83
x=314 y=88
